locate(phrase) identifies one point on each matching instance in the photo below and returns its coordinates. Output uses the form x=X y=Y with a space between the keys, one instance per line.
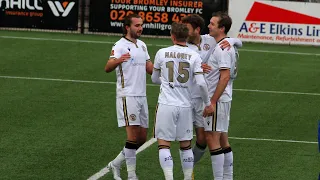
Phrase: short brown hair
x=180 y=31
x=195 y=20
x=224 y=20
x=128 y=21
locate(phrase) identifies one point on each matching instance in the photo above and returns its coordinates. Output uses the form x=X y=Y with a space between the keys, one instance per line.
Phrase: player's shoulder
x=162 y=51
x=141 y=42
x=169 y=48
x=226 y=51
x=207 y=37
x=120 y=42
x=193 y=52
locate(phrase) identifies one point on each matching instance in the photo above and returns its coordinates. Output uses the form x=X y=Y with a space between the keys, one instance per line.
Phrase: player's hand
x=124 y=58
x=209 y=110
x=206 y=68
x=225 y=45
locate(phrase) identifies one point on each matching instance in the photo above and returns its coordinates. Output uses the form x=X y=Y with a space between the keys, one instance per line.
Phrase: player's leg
x=184 y=136
x=128 y=116
x=165 y=159
x=116 y=163
x=228 y=157
x=165 y=132
x=228 y=154
x=200 y=146
x=130 y=150
x=213 y=139
x=186 y=157
x=131 y=111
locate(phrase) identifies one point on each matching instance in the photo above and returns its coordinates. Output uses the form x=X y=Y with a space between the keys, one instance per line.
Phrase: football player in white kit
x=204 y=45
x=130 y=58
x=176 y=67
x=220 y=81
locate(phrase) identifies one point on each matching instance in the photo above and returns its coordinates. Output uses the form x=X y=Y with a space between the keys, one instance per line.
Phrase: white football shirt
x=131 y=75
x=204 y=49
x=178 y=64
x=222 y=59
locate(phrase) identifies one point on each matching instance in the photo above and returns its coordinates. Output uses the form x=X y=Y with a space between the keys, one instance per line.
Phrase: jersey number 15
x=181 y=70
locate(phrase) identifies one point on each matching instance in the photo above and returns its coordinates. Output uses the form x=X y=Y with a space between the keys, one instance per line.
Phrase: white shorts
x=173 y=123
x=220 y=120
x=197 y=110
x=132 y=111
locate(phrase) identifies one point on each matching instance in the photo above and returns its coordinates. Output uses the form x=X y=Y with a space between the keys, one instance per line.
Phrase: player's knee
x=185 y=145
x=201 y=140
x=209 y=138
x=212 y=139
x=224 y=144
x=142 y=140
x=224 y=140
x=201 y=146
x=131 y=145
x=184 y=148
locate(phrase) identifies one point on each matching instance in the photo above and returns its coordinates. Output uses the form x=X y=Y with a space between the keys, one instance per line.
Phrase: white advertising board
x=280 y=22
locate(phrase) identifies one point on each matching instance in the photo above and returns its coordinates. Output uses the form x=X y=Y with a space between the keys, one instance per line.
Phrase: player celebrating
x=204 y=45
x=178 y=66
x=130 y=58
x=220 y=82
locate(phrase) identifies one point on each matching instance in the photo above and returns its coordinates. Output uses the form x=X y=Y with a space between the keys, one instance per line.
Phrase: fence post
x=82 y=12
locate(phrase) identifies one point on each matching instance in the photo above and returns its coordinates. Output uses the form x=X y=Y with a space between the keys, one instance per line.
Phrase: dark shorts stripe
x=154 y=121
x=125 y=112
x=214 y=119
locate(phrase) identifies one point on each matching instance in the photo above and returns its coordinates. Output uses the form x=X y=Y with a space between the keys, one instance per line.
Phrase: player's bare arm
x=206 y=68
x=149 y=67
x=227 y=43
x=114 y=62
x=222 y=84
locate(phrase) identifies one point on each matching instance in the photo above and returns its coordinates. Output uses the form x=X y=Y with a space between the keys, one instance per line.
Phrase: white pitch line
x=278 y=92
x=279 y=52
x=158 y=45
x=274 y=140
x=152 y=85
x=106 y=170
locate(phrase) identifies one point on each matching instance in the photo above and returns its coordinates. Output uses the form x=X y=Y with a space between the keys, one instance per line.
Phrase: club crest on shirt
x=132 y=117
x=144 y=48
x=206 y=47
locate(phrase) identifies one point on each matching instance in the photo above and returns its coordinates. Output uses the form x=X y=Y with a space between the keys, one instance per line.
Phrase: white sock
x=228 y=164
x=198 y=152
x=186 y=157
x=166 y=163
x=119 y=159
x=130 y=155
x=217 y=159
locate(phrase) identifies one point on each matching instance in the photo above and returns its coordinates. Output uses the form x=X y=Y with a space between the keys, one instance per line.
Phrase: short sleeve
x=116 y=51
x=147 y=53
x=224 y=59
